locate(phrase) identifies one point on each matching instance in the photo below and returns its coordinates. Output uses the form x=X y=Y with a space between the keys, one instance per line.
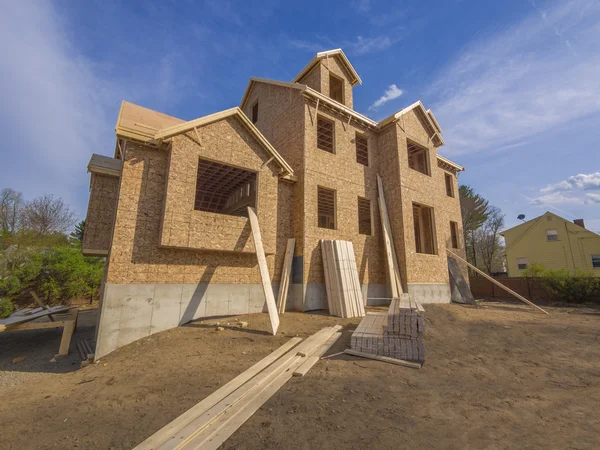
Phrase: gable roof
x=338 y=52
x=427 y=116
x=183 y=127
x=137 y=122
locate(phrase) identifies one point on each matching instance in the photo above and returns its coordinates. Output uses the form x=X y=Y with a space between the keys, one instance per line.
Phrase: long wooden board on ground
x=214 y=419
x=264 y=270
x=390 y=251
x=398 y=362
x=465 y=296
x=497 y=283
x=286 y=272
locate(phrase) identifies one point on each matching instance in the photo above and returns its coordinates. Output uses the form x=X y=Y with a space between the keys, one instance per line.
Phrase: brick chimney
x=579 y=222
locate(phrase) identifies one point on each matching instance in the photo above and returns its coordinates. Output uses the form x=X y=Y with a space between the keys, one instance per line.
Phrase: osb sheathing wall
x=102 y=207
x=429 y=191
x=332 y=65
x=342 y=173
x=281 y=121
x=229 y=142
x=135 y=256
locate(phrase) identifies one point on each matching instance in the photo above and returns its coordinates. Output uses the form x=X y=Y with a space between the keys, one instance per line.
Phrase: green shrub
x=6 y=308
x=567 y=285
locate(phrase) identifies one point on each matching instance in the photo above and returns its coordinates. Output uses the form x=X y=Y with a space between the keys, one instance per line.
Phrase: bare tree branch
x=46 y=215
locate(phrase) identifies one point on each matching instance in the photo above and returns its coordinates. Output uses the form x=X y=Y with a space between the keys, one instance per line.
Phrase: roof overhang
x=452 y=164
x=338 y=52
x=105 y=165
x=175 y=130
x=427 y=116
x=139 y=123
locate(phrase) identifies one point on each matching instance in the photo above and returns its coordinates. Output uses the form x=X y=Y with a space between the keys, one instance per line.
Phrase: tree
x=474 y=211
x=46 y=215
x=77 y=235
x=11 y=203
x=488 y=243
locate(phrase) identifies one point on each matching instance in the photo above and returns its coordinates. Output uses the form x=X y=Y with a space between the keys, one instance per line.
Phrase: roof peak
x=326 y=54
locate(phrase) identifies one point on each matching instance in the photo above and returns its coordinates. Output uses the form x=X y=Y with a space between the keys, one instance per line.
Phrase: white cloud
x=362 y=6
x=305 y=45
x=556 y=198
x=593 y=198
x=365 y=45
x=359 y=46
x=525 y=80
x=580 y=181
x=391 y=93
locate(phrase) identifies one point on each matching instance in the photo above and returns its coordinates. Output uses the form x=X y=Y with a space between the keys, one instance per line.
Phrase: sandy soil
x=497 y=376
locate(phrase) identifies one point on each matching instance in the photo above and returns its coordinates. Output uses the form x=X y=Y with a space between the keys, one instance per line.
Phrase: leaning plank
x=69 y=328
x=500 y=285
x=167 y=431
x=399 y=362
x=285 y=275
x=312 y=360
x=360 y=300
x=334 y=277
x=225 y=425
x=264 y=270
x=390 y=251
x=459 y=281
x=327 y=280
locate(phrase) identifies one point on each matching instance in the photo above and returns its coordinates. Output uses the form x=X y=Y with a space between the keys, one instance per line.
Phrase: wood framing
x=390 y=251
x=285 y=275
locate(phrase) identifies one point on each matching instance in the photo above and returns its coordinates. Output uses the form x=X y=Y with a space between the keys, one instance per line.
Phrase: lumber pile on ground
x=396 y=334
x=208 y=424
x=344 y=293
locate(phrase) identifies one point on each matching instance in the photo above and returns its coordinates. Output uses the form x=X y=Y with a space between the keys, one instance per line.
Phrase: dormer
x=331 y=74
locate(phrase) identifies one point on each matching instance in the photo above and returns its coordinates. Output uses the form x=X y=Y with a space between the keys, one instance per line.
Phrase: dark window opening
x=454 y=234
x=362 y=149
x=336 y=89
x=224 y=189
x=424 y=229
x=326 y=208
x=325 y=135
x=364 y=216
x=449 y=185
x=417 y=157
x=255 y=113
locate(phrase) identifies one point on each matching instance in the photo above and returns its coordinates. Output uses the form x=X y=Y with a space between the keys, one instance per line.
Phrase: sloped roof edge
x=451 y=163
x=268 y=81
x=169 y=132
x=428 y=117
x=326 y=54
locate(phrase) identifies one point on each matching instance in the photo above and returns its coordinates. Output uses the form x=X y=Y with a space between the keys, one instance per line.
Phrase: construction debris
x=396 y=334
x=344 y=294
x=208 y=424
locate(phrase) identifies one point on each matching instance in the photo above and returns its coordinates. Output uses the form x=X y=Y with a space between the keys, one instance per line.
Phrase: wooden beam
x=264 y=270
x=285 y=275
x=40 y=303
x=315 y=357
x=68 y=330
x=497 y=283
x=390 y=251
x=398 y=362
x=34 y=326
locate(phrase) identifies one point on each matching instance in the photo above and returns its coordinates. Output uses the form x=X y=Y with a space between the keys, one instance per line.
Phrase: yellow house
x=553 y=242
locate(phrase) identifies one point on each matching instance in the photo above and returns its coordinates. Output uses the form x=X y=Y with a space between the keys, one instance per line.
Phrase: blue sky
x=515 y=85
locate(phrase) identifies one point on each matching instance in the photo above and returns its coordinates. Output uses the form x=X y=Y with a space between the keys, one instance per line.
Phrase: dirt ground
x=496 y=376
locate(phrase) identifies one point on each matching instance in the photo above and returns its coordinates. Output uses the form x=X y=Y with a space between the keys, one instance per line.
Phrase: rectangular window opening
x=255 y=112
x=454 y=234
x=224 y=189
x=551 y=235
x=362 y=149
x=449 y=185
x=424 y=229
x=418 y=157
x=325 y=135
x=596 y=261
x=326 y=208
x=522 y=263
x=364 y=216
x=336 y=89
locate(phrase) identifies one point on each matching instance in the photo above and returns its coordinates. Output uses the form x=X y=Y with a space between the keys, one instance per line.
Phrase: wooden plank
x=500 y=285
x=316 y=356
x=361 y=302
x=264 y=270
x=42 y=305
x=285 y=275
x=343 y=269
x=352 y=291
x=398 y=362
x=35 y=326
x=13 y=320
x=167 y=431
x=334 y=277
x=225 y=425
x=327 y=280
x=200 y=424
x=67 y=334
x=390 y=251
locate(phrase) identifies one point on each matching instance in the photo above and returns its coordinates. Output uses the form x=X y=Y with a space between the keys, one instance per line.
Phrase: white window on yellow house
x=551 y=235
x=596 y=261
x=522 y=263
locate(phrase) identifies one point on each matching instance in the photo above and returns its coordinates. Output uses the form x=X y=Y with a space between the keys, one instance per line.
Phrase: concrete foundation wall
x=430 y=292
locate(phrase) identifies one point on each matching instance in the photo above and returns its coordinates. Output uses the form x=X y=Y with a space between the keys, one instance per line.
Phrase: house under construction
x=170 y=209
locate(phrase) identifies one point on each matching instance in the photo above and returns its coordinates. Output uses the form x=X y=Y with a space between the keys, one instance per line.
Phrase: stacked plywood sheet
x=344 y=294
x=396 y=334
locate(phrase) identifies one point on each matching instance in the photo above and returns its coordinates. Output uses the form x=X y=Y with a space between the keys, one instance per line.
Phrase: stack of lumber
x=208 y=424
x=396 y=334
x=344 y=294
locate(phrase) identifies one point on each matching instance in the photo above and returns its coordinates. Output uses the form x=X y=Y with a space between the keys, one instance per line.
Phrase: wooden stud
x=399 y=362
x=264 y=270
x=285 y=275
x=391 y=258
